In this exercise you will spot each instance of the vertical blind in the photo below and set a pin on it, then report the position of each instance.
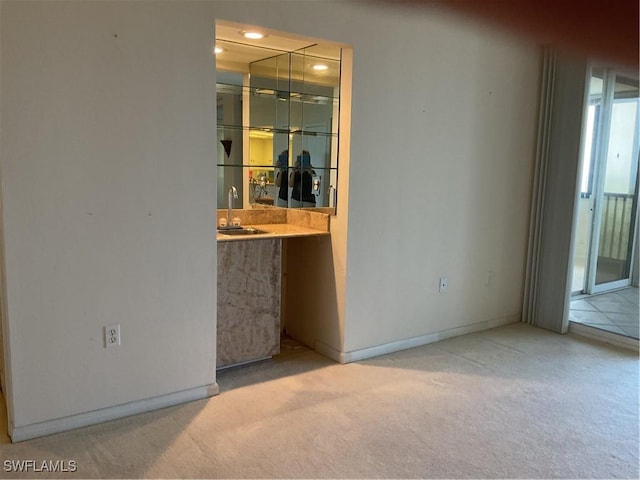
(555, 191)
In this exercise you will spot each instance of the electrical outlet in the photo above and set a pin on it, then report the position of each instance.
(112, 335)
(444, 284)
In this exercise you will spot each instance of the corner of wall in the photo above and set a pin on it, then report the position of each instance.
(5, 360)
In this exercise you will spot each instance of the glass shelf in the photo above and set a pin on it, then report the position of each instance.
(268, 130)
(268, 166)
(277, 94)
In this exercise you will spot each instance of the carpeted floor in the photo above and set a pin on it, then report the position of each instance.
(515, 401)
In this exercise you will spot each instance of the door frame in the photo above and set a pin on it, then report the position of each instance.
(599, 165)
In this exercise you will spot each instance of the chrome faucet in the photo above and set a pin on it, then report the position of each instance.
(233, 193)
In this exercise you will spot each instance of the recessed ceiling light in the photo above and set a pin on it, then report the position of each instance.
(218, 50)
(253, 35)
(319, 67)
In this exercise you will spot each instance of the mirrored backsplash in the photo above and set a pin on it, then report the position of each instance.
(278, 131)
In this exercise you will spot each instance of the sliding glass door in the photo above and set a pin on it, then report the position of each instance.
(607, 209)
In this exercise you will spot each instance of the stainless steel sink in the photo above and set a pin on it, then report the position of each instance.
(241, 231)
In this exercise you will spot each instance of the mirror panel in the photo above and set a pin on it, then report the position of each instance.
(261, 171)
(269, 93)
(278, 129)
(271, 73)
(229, 135)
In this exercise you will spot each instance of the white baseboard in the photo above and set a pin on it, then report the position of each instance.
(391, 347)
(604, 336)
(26, 432)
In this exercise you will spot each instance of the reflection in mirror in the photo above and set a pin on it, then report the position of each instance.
(278, 127)
(230, 145)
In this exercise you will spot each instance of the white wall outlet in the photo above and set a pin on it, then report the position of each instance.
(444, 284)
(112, 336)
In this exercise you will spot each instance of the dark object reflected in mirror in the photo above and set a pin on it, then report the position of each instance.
(301, 179)
(227, 146)
(282, 179)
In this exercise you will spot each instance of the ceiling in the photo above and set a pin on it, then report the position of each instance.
(239, 52)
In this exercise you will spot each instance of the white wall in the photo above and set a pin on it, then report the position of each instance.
(108, 182)
(443, 127)
(98, 132)
(440, 182)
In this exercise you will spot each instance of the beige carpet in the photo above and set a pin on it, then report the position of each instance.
(512, 402)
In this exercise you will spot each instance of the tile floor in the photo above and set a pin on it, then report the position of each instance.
(615, 312)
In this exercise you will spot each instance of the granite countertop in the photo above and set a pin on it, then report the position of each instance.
(274, 230)
(278, 223)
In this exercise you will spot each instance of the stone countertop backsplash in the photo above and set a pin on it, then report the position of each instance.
(277, 222)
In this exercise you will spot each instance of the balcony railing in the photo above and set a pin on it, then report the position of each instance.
(618, 214)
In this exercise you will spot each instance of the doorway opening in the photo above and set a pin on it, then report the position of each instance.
(279, 129)
(605, 262)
